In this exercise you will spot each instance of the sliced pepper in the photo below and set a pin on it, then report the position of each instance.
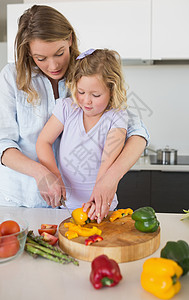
(145, 219)
(71, 234)
(179, 252)
(92, 239)
(160, 277)
(82, 231)
(104, 272)
(120, 213)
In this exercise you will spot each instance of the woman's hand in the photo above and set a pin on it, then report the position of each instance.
(101, 197)
(51, 188)
(106, 186)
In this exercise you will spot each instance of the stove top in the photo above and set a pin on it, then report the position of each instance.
(181, 160)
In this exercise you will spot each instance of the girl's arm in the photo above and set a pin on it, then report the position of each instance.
(48, 135)
(105, 188)
(112, 148)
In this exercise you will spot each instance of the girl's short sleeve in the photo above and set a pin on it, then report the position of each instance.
(120, 119)
(62, 109)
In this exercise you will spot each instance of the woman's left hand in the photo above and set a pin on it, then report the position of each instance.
(102, 196)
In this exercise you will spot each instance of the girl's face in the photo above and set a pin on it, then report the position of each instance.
(92, 95)
(52, 58)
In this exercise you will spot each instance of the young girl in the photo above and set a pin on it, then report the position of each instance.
(93, 126)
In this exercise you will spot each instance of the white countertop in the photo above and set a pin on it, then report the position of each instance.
(26, 278)
(143, 163)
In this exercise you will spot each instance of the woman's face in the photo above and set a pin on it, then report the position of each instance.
(52, 58)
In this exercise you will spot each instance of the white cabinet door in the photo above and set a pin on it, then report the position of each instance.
(170, 29)
(120, 25)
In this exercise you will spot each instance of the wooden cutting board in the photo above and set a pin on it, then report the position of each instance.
(121, 241)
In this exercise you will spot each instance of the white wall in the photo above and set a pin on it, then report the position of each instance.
(162, 93)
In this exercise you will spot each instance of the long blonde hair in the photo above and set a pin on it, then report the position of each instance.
(47, 24)
(107, 64)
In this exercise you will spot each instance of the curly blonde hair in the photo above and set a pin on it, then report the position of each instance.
(47, 24)
(107, 64)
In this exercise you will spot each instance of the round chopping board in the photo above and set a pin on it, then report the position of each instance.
(121, 241)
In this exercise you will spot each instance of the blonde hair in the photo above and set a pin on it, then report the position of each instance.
(47, 24)
(107, 64)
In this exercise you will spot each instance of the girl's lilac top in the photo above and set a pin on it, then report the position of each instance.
(80, 153)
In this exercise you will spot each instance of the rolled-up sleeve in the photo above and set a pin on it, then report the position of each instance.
(136, 127)
(9, 129)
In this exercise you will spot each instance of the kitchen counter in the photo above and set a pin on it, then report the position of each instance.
(26, 278)
(143, 163)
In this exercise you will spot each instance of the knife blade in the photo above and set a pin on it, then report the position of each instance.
(63, 202)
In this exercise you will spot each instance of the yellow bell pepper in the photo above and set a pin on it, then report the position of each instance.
(120, 213)
(160, 277)
(80, 217)
(71, 234)
(82, 231)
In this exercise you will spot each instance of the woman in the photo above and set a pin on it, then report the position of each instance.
(46, 49)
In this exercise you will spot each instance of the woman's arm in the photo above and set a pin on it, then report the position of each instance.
(16, 160)
(113, 146)
(52, 129)
(105, 188)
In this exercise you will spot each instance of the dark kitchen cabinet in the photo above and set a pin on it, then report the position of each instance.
(164, 191)
(169, 191)
(134, 190)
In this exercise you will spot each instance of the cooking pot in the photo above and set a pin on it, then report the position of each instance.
(167, 156)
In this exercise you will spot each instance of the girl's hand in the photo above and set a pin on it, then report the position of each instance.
(51, 189)
(102, 196)
(92, 208)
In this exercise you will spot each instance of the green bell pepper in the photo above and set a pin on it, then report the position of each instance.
(145, 219)
(179, 252)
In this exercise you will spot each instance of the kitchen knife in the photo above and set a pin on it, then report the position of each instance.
(63, 202)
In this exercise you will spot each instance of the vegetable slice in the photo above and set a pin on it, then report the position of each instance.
(49, 238)
(51, 231)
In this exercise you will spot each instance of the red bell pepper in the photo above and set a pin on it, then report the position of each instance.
(92, 239)
(104, 272)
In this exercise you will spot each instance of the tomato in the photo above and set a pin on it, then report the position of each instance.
(9, 246)
(51, 239)
(9, 227)
(51, 231)
(46, 226)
